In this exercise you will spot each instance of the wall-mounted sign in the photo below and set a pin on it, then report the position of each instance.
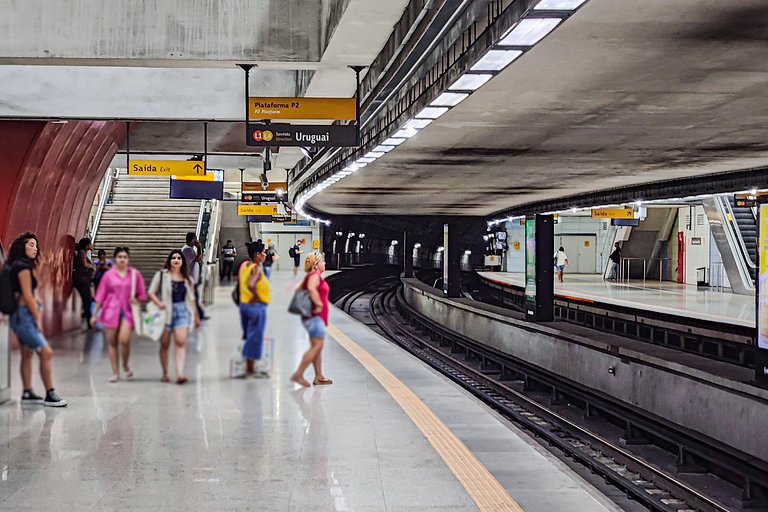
(613, 213)
(257, 209)
(516, 245)
(166, 168)
(492, 260)
(339, 109)
(255, 186)
(337, 135)
(696, 240)
(315, 244)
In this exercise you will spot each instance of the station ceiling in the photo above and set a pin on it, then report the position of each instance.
(623, 93)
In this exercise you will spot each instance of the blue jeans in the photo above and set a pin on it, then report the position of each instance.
(24, 326)
(255, 320)
(268, 271)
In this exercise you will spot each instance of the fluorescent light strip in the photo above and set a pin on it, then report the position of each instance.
(417, 124)
(529, 31)
(431, 112)
(365, 160)
(449, 99)
(374, 154)
(496, 60)
(406, 133)
(383, 149)
(470, 82)
(393, 141)
(558, 5)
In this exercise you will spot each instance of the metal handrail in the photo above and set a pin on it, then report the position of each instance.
(735, 227)
(105, 193)
(624, 275)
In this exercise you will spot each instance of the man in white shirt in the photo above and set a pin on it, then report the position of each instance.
(561, 260)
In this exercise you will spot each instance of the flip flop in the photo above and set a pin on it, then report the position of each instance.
(129, 375)
(165, 379)
(325, 381)
(181, 380)
(114, 379)
(300, 381)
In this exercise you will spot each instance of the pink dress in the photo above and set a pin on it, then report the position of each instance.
(324, 290)
(114, 295)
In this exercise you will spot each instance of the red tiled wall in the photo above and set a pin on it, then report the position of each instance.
(49, 176)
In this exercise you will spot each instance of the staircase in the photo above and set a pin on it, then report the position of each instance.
(745, 220)
(141, 216)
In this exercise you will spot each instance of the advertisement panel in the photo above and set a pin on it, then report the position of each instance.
(762, 286)
(530, 260)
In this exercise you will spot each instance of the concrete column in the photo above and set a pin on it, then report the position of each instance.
(407, 253)
(451, 260)
(539, 268)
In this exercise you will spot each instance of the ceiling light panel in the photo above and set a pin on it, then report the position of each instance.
(417, 124)
(496, 60)
(449, 99)
(393, 141)
(383, 149)
(558, 5)
(529, 31)
(431, 112)
(470, 82)
(406, 133)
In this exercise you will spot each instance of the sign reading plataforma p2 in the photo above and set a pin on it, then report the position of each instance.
(338, 109)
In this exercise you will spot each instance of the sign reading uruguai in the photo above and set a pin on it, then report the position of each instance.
(337, 135)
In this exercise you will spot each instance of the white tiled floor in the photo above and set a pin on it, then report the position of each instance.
(666, 297)
(222, 444)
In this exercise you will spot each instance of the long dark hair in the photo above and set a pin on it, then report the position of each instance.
(184, 269)
(83, 244)
(18, 251)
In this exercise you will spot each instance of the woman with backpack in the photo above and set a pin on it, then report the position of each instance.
(19, 283)
(120, 290)
(318, 290)
(270, 259)
(173, 292)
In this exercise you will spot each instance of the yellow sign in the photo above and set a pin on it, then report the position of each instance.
(257, 209)
(516, 245)
(762, 276)
(315, 244)
(255, 186)
(166, 168)
(613, 213)
(339, 109)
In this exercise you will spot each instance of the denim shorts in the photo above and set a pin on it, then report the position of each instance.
(315, 327)
(179, 316)
(24, 326)
(560, 268)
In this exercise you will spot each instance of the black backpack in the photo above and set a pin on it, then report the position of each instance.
(7, 296)
(292, 252)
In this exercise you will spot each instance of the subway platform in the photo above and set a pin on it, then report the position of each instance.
(389, 435)
(660, 297)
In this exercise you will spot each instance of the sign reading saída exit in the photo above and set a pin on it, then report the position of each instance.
(260, 134)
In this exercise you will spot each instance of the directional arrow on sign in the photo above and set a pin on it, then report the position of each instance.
(197, 167)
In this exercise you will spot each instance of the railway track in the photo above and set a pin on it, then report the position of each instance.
(653, 462)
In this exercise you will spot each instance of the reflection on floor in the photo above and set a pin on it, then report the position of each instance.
(223, 444)
(663, 297)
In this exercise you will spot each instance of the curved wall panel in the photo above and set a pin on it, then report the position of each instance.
(50, 174)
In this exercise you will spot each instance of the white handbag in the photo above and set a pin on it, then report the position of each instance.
(138, 323)
(153, 322)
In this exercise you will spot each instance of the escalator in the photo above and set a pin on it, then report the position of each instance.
(746, 224)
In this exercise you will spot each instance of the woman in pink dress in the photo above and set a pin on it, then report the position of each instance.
(315, 325)
(121, 286)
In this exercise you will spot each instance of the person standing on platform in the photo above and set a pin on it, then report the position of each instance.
(615, 258)
(26, 321)
(254, 297)
(315, 325)
(173, 292)
(269, 260)
(192, 254)
(121, 287)
(101, 268)
(228, 255)
(295, 253)
(82, 276)
(561, 260)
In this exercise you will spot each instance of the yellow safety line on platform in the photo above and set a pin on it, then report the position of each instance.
(482, 487)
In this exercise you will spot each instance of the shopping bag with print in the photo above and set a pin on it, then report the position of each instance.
(266, 363)
(153, 322)
(237, 364)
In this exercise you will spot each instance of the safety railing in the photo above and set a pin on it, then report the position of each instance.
(626, 266)
(716, 277)
(106, 192)
(731, 217)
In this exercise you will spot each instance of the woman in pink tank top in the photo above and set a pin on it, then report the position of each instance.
(318, 290)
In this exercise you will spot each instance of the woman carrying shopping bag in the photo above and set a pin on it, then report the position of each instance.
(254, 297)
(173, 292)
(117, 309)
